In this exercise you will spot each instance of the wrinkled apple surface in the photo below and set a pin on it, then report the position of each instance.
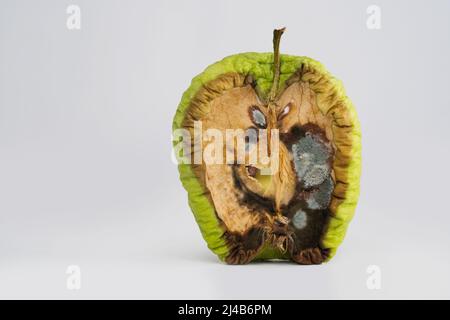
(300, 210)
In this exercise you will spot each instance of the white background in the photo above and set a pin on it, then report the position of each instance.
(85, 171)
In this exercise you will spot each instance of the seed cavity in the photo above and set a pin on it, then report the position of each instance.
(257, 117)
(252, 171)
(284, 112)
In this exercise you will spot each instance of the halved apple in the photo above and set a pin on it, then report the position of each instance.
(301, 210)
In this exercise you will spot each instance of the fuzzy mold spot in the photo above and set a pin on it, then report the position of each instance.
(320, 198)
(300, 219)
(311, 161)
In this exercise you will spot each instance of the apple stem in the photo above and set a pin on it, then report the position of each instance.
(277, 33)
